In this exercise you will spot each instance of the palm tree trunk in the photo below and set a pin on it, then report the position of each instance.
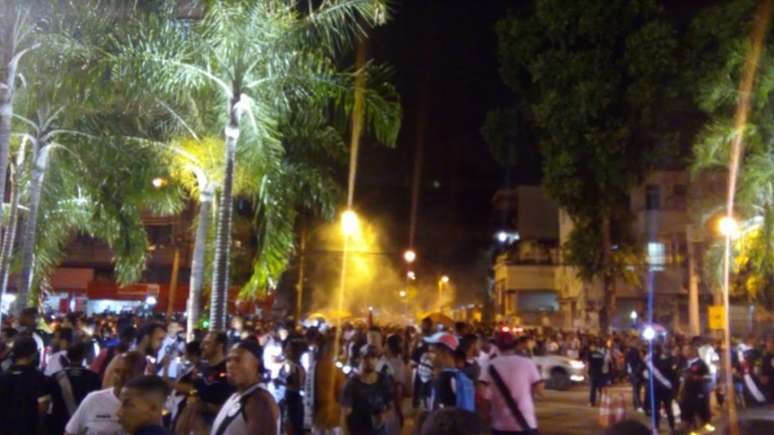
(10, 57)
(30, 230)
(220, 278)
(10, 232)
(197, 262)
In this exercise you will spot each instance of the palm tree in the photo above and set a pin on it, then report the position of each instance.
(15, 33)
(254, 58)
(717, 95)
(101, 178)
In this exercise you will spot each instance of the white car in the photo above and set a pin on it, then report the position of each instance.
(560, 372)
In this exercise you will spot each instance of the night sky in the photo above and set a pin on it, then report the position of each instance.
(444, 56)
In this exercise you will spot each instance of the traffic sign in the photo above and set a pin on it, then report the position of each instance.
(715, 316)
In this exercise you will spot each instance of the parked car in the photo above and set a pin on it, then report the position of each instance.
(560, 372)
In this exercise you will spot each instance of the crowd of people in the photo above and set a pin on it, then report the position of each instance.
(127, 374)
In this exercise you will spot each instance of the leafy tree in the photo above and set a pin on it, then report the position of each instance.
(76, 139)
(592, 75)
(255, 60)
(721, 41)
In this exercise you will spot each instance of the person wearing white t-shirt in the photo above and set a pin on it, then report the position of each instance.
(96, 414)
(521, 379)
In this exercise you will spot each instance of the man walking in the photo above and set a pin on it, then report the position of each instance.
(634, 368)
(69, 387)
(24, 392)
(596, 365)
(507, 386)
(661, 369)
(694, 403)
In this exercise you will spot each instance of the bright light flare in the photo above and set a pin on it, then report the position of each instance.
(150, 300)
(502, 237)
(159, 182)
(349, 223)
(728, 227)
(633, 315)
(410, 256)
(649, 333)
(402, 294)
(411, 275)
(445, 279)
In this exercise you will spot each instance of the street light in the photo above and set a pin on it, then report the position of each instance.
(402, 294)
(159, 182)
(411, 275)
(728, 227)
(648, 333)
(633, 316)
(349, 223)
(410, 256)
(445, 279)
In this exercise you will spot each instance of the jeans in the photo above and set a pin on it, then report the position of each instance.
(665, 399)
(595, 384)
(637, 384)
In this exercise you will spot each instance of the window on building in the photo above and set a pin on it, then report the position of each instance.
(656, 255)
(652, 197)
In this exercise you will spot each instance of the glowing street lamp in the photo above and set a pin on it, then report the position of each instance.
(648, 333)
(402, 294)
(349, 223)
(633, 316)
(411, 275)
(410, 256)
(159, 182)
(445, 279)
(728, 227)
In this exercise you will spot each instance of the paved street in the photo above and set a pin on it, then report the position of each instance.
(568, 412)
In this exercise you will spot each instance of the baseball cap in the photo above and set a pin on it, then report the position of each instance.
(445, 339)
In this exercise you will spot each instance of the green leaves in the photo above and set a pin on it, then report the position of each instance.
(594, 78)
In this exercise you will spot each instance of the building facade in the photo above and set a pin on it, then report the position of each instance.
(533, 285)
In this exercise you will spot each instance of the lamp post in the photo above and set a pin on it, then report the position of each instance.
(442, 283)
(729, 228)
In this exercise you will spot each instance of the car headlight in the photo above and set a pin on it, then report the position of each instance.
(578, 365)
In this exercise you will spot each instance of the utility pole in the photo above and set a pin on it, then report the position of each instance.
(693, 283)
(173, 282)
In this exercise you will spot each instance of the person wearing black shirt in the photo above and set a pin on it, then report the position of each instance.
(695, 390)
(28, 325)
(661, 368)
(211, 388)
(595, 360)
(367, 397)
(25, 393)
(634, 368)
(68, 388)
